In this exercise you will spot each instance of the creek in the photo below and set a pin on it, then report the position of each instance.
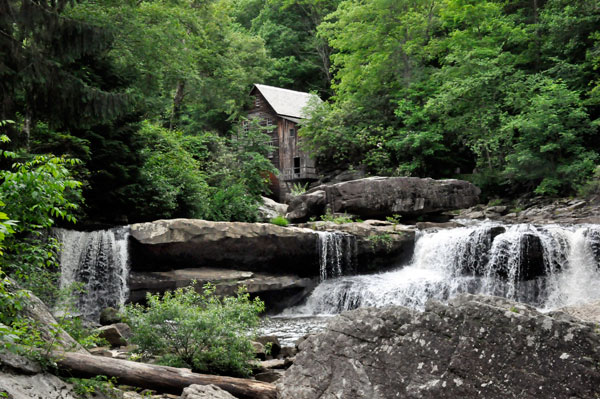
(548, 266)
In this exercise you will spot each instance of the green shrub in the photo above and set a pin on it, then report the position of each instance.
(185, 328)
(381, 241)
(280, 221)
(298, 189)
(330, 217)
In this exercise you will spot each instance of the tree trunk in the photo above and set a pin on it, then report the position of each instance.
(177, 101)
(159, 378)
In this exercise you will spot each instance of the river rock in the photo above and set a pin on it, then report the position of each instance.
(269, 376)
(192, 243)
(474, 347)
(196, 391)
(46, 386)
(378, 197)
(109, 316)
(115, 334)
(270, 209)
(271, 343)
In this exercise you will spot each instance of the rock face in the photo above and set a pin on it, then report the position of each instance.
(385, 196)
(270, 209)
(22, 379)
(475, 347)
(192, 243)
(196, 391)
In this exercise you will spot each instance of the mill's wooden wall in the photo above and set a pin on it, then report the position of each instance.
(286, 146)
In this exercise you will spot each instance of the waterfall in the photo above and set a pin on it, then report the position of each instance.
(548, 267)
(337, 251)
(99, 261)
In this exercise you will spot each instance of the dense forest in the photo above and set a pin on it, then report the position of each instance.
(138, 101)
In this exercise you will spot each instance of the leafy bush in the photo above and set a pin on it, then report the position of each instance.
(36, 192)
(197, 330)
(298, 189)
(342, 219)
(173, 184)
(280, 221)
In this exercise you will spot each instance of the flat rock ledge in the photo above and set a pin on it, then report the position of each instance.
(474, 347)
(165, 245)
(261, 248)
(378, 197)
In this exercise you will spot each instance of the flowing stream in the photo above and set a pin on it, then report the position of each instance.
(99, 261)
(548, 267)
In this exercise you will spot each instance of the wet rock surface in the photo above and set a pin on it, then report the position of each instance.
(474, 347)
(378, 197)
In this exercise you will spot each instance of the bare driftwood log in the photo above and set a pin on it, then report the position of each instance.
(160, 378)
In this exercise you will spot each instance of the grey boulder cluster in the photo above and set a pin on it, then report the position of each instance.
(474, 347)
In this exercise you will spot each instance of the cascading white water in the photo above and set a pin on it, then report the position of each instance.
(549, 267)
(99, 261)
(336, 254)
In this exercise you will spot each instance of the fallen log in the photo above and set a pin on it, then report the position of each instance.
(159, 378)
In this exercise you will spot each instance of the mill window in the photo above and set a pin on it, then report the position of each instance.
(297, 165)
(292, 132)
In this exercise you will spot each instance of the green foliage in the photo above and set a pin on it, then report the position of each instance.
(241, 175)
(172, 183)
(288, 28)
(50, 67)
(197, 330)
(337, 219)
(592, 187)
(98, 385)
(384, 241)
(440, 89)
(298, 189)
(192, 65)
(394, 219)
(280, 221)
(36, 193)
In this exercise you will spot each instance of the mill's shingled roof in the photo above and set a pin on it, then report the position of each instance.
(287, 103)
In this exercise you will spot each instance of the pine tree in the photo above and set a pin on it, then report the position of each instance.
(49, 68)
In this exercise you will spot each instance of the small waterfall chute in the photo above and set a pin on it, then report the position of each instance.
(99, 261)
(337, 253)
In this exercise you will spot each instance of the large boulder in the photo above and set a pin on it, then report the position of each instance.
(21, 378)
(376, 197)
(270, 209)
(193, 243)
(475, 347)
